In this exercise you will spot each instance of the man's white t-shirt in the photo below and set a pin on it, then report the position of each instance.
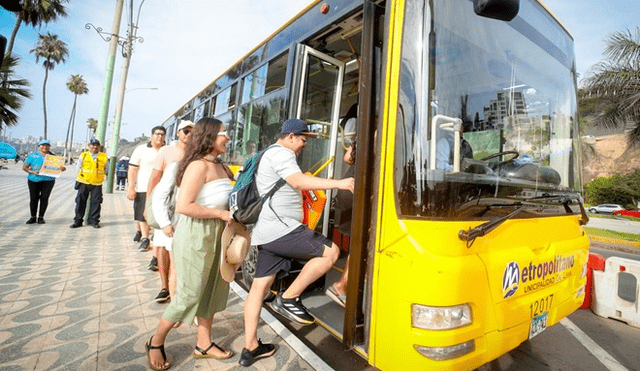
(277, 162)
(143, 156)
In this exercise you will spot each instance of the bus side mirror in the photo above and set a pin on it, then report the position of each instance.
(504, 10)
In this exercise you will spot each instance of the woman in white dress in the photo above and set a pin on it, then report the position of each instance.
(203, 199)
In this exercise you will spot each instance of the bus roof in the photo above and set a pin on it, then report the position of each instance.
(306, 9)
(309, 7)
(556, 18)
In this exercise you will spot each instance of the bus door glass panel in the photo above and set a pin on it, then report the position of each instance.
(320, 91)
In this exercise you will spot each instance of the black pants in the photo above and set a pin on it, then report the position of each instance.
(121, 180)
(39, 192)
(84, 190)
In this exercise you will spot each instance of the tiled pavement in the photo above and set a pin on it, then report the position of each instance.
(82, 299)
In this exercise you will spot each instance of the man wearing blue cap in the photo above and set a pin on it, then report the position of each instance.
(281, 237)
(91, 173)
(40, 186)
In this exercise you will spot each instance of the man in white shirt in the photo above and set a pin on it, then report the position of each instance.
(163, 238)
(140, 169)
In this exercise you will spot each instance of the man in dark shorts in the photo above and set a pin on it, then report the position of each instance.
(281, 237)
(140, 169)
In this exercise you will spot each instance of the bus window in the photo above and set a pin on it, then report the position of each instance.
(226, 100)
(228, 121)
(199, 112)
(265, 79)
(257, 126)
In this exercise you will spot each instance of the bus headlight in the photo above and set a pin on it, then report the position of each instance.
(440, 318)
(444, 353)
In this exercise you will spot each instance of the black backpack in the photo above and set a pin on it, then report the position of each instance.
(245, 203)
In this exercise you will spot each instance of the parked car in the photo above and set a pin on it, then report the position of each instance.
(635, 212)
(605, 208)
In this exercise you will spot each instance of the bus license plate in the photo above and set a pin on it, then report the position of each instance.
(538, 324)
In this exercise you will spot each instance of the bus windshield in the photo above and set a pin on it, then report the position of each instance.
(505, 89)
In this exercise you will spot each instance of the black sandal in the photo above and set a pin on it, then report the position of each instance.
(203, 352)
(149, 348)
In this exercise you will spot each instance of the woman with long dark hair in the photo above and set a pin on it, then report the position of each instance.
(203, 199)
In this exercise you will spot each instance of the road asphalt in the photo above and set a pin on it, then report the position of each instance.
(82, 299)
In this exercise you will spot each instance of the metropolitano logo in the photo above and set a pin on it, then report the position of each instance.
(510, 279)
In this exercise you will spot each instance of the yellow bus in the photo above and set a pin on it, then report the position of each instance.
(466, 236)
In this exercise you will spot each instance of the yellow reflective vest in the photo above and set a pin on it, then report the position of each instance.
(92, 172)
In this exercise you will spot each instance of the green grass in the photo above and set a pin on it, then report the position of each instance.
(612, 234)
(608, 216)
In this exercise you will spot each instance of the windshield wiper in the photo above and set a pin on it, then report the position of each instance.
(564, 200)
(484, 228)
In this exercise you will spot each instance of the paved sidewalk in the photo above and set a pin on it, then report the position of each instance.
(82, 299)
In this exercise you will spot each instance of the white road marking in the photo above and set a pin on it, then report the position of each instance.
(298, 346)
(605, 358)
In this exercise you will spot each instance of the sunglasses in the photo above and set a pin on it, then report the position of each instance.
(186, 131)
(223, 134)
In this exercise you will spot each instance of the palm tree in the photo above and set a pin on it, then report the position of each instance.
(617, 81)
(77, 86)
(92, 124)
(36, 13)
(53, 51)
(12, 92)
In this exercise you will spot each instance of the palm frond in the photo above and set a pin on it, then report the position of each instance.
(633, 136)
(12, 92)
(623, 46)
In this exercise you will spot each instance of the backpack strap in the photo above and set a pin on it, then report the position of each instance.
(273, 190)
(275, 187)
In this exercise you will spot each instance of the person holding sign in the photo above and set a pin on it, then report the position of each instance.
(91, 172)
(40, 185)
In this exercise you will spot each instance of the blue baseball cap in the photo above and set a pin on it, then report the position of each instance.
(44, 142)
(94, 141)
(295, 126)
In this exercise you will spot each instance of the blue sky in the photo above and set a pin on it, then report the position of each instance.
(188, 43)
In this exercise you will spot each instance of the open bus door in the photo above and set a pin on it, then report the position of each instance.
(319, 91)
(319, 84)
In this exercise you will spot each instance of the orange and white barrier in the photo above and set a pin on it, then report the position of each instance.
(595, 263)
(615, 290)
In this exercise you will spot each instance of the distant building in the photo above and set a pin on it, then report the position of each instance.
(509, 104)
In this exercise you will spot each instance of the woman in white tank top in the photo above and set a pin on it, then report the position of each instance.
(203, 201)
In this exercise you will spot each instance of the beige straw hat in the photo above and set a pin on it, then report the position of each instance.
(235, 246)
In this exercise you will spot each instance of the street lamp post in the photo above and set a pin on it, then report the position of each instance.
(115, 138)
(113, 40)
(127, 50)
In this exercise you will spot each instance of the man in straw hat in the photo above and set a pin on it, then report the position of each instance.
(281, 237)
